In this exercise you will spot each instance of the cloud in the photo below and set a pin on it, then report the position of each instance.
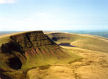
(7, 1)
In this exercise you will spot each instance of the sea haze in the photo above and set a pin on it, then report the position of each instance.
(99, 33)
(7, 32)
(102, 33)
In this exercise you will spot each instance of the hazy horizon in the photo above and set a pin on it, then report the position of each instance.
(103, 33)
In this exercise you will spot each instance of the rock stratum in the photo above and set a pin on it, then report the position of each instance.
(21, 52)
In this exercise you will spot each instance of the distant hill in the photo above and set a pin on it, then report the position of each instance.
(104, 34)
(85, 41)
(98, 33)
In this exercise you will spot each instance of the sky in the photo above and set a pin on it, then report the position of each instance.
(22, 15)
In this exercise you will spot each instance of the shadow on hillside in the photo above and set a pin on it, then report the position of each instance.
(14, 63)
(2, 76)
(10, 47)
(66, 44)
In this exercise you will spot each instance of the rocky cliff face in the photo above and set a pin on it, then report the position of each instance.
(21, 48)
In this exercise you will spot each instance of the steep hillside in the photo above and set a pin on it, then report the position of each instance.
(90, 42)
(21, 52)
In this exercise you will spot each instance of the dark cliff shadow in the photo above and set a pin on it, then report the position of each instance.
(14, 63)
(11, 46)
(2, 76)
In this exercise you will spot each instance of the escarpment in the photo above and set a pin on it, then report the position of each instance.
(28, 49)
(32, 43)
